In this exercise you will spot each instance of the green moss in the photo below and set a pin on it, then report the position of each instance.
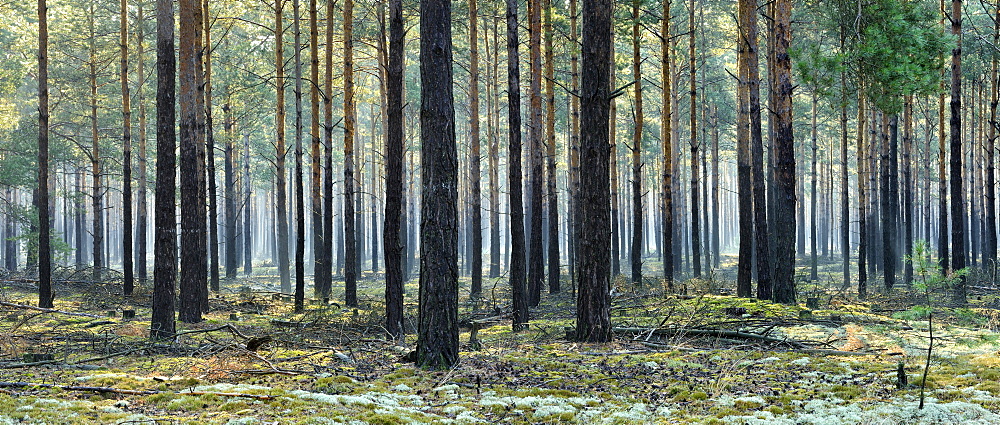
(383, 419)
(846, 392)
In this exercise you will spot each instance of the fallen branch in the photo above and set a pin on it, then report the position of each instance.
(718, 333)
(129, 392)
(48, 310)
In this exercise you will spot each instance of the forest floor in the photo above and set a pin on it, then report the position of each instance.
(695, 356)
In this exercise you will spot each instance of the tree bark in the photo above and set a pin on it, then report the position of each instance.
(437, 340)
(213, 207)
(127, 266)
(784, 158)
(593, 322)
(279, 158)
(517, 266)
(97, 197)
(666, 146)
(45, 294)
(300, 208)
(958, 249)
(552, 199)
(392, 229)
(350, 235)
(907, 189)
(319, 236)
(536, 264)
(162, 324)
(193, 277)
(989, 186)
(636, 256)
(475, 189)
(695, 145)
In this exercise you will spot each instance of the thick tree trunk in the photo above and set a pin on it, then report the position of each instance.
(784, 158)
(193, 278)
(392, 230)
(437, 340)
(989, 186)
(760, 233)
(162, 324)
(593, 322)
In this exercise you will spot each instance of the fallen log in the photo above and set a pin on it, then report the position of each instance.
(129, 392)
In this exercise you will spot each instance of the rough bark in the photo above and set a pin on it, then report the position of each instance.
(666, 146)
(437, 340)
(127, 265)
(593, 322)
(350, 235)
(475, 188)
(44, 250)
(536, 259)
(162, 324)
(552, 199)
(213, 207)
(784, 158)
(193, 269)
(281, 200)
(392, 229)
(695, 144)
(636, 257)
(300, 208)
(316, 189)
(97, 196)
(958, 249)
(517, 266)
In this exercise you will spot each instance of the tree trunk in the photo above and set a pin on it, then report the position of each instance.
(862, 199)
(229, 178)
(475, 196)
(279, 160)
(392, 229)
(536, 264)
(666, 146)
(350, 235)
(552, 198)
(517, 266)
(593, 322)
(494, 147)
(813, 260)
(437, 340)
(955, 128)
(845, 211)
(784, 158)
(907, 189)
(319, 236)
(889, 197)
(97, 197)
(162, 324)
(325, 277)
(247, 234)
(213, 207)
(127, 266)
(989, 186)
(763, 263)
(694, 143)
(45, 295)
(193, 277)
(300, 208)
(636, 149)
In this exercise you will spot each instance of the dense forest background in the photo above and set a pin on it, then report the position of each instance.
(745, 143)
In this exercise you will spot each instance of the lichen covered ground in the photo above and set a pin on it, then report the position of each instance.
(839, 363)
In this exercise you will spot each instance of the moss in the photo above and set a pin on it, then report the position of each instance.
(846, 392)
(383, 419)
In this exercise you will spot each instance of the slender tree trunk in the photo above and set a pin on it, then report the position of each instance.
(666, 146)
(958, 249)
(392, 229)
(517, 266)
(281, 151)
(162, 324)
(845, 211)
(45, 295)
(552, 198)
(127, 266)
(636, 250)
(300, 208)
(213, 200)
(494, 145)
(813, 261)
(907, 190)
(763, 263)
(229, 179)
(437, 340)
(475, 195)
(889, 198)
(97, 197)
(862, 199)
(319, 236)
(247, 233)
(695, 172)
(350, 235)
(536, 264)
(989, 186)
(325, 276)
(943, 245)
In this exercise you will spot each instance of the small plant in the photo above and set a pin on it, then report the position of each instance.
(928, 278)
